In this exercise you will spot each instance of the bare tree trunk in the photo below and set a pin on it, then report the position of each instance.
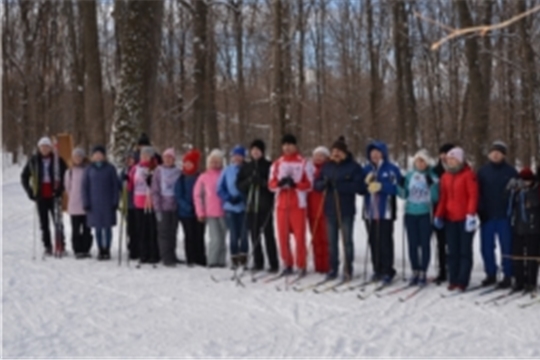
(239, 43)
(278, 83)
(375, 88)
(200, 54)
(212, 129)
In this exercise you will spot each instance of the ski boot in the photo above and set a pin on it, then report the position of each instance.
(415, 279)
(489, 280)
(506, 283)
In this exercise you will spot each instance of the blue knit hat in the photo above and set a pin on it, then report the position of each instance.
(238, 150)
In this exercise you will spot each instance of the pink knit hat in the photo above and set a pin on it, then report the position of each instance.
(169, 152)
(457, 153)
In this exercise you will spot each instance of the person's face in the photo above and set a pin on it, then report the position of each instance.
(45, 150)
(216, 163)
(76, 159)
(97, 157)
(496, 156)
(337, 155)
(237, 159)
(288, 149)
(145, 157)
(452, 162)
(375, 156)
(420, 164)
(130, 161)
(168, 160)
(319, 158)
(255, 153)
(188, 166)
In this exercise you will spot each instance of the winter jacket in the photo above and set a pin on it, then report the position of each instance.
(163, 183)
(227, 189)
(101, 195)
(458, 195)
(73, 183)
(389, 176)
(293, 166)
(261, 169)
(183, 192)
(493, 197)
(347, 179)
(525, 210)
(35, 166)
(140, 180)
(418, 195)
(205, 196)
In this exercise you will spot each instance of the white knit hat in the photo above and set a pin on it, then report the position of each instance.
(322, 150)
(215, 153)
(424, 155)
(45, 141)
(78, 152)
(457, 153)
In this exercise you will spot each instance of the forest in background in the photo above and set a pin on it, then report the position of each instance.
(214, 73)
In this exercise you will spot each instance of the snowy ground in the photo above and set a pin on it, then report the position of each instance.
(68, 308)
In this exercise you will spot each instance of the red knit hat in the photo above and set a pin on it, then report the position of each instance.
(193, 156)
(526, 174)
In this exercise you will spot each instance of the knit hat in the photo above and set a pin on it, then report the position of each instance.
(192, 156)
(169, 152)
(143, 140)
(340, 144)
(424, 155)
(238, 150)
(148, 150)
(456, 153)
(45, 141)
(100, 149)
(322, 150)
(78, 152)
(259, 144)
(526, 174)
(213, 154)
(446, 148)
(499, 146)
(288, 139)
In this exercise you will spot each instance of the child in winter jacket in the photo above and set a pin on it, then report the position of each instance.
(290, 182)
(164, 202)
(420, 190)
(140, 182)
(524, 209)
(456, 213)
(101, 195)
(235, 207)
(194, 246)
(315, 214)
(209, 208)
(81, 237)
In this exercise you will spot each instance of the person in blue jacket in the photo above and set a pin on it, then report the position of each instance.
(234, 205)
(382, 179)
(420, 189)
(341, 179)
(492, 210)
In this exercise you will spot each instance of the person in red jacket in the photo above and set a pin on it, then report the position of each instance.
(456, 212)
(315, 213)
(290, 182)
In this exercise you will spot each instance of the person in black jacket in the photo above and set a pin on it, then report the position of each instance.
(439, 170)
(252, 181)
(43, 183)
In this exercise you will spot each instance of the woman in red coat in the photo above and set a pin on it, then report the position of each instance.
(315, 213)
(456, 212)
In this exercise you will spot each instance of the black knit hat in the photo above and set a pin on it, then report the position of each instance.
(288, 139)
(99, 148)
(340, 144)
(143, 140)
(259, 144)
(446, 148)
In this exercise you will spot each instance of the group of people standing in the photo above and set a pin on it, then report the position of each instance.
(318, 195)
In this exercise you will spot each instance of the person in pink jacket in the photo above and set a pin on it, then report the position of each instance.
(209, 208)
(81, 236)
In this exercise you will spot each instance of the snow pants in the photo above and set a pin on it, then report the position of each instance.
(167, 230)
(262, 223)
(334, 233)
(217, 248)
(147, 237)
(419, 238)
(194, 245)
(503, 230)
(132, 228)
(238, 241)
(319, 235)
(381, 243)
(460, 253)
(526, 271)
(292, 220)
(81, 236)
(45, 208)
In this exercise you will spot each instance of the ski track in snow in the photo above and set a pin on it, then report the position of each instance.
(80, 308)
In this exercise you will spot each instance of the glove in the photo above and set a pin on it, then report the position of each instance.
(159, 216)
(470, 223)
(401, 181)
(286, 182)
(438, 223)
(328, 183)
(429, 180)
(369, 178)
(374, 187)
(233, 200)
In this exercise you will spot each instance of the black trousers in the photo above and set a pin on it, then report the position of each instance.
(81, 236)
(381, 242)
(441, 251)
(132, 229)
(45, 208)
(261, 224)
(147, 236)
(526, 271)
(194, 245)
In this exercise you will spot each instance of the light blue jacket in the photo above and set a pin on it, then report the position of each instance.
(418, 195)
(226, 189)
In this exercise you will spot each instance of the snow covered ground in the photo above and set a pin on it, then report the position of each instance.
(82, 308)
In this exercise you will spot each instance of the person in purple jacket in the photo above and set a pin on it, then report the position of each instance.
(163, 199)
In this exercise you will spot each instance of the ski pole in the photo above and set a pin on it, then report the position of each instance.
(403, 250)
(366, 255)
